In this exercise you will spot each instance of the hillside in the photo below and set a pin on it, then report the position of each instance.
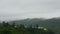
(53, 23)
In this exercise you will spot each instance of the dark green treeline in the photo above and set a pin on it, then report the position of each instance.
(6, 28)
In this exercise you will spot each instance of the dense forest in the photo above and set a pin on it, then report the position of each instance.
(53, 23)
(31, 26)
(6, 28)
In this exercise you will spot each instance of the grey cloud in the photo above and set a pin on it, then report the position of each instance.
(15, 9)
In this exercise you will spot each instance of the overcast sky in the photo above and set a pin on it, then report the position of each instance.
(21, 9)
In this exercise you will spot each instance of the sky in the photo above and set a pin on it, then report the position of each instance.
(21, 9)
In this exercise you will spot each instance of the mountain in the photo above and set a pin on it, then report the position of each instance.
(53, 23)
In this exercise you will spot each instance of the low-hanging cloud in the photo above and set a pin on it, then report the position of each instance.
(17, 9)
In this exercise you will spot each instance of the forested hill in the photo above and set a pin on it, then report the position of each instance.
(53, 23)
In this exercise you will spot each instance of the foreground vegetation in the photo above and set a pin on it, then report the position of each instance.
(6, 28)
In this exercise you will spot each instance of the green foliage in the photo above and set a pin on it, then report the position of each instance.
(6, 28)
(53, 23)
